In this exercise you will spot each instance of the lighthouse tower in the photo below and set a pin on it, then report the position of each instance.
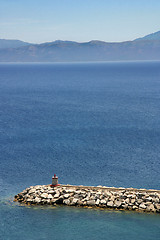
(54, 181)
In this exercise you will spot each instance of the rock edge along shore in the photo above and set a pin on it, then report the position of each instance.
(103, 197)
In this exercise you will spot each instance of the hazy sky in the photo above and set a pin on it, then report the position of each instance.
(78, 20)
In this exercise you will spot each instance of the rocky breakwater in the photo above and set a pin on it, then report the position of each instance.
(103, 197)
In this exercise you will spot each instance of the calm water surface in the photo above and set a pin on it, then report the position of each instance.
(91, 124)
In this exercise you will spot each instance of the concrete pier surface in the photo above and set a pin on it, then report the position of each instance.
(141, 200)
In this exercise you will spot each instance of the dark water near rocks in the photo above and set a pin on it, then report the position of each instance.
(91, 124)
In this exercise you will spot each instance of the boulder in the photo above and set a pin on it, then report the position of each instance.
(110, 204)
(91, 203)
(127, 200)
(76, 196)
(31, 191)
(134, 207)
(140, 195)
(151, 208)
(24, 192)
(124, 206)
(66, 201)
(97, 202)
(133, 200)
(155, 200)
(157, 206)
(139, 201)
(54, 200)
(142, 205)
(69, 190)
(148, 199)
(37, 200)
(50, 196)
(117, 203)
(67, 195)
(103, 202)
(44, 195)
(93, 197)
(29, 200)
(57, 195)
(74, 201)
(51, 192)
(79, 202)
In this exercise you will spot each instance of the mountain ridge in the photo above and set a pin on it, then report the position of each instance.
(152, 36)
(94, 50)
(12, 43)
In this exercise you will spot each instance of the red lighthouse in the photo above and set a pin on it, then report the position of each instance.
(54, 181)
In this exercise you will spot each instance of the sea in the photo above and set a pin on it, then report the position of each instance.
(89, 123)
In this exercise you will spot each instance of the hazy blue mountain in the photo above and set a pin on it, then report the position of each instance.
(69, 51)
(152, 36)
(6, 43)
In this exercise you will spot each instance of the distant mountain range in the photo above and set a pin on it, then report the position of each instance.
(152, 36)
(146, 48)
(5, 43)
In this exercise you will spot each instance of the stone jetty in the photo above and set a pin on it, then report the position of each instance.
(102, 197)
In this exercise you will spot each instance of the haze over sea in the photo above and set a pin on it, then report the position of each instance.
(91, 124)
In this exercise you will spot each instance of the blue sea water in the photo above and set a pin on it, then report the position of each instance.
(91, 124)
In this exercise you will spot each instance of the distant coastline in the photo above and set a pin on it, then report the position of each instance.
(146, 48)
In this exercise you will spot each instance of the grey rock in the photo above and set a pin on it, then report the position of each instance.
(79, 202)
(122, 197)
(140, 195)
(112, 198)
(57, 195)
(91, 203)
(37, 200)
(69, 191)
(117, 203)
(74, 201)
(54, 200)
(50, 196)
(125, 206)
(103, 202)
(110, 204)
(147, 203)
(97, 202)
(139, 201)
(133, 200)
(51, 192)
(66, 195)
(78, 192)
(76, 196)
(44, 195)
(134, 207)
(66, 201)
(142, 205)
(155, 200)
(92, 197)
(29, 200)
(127, 200)
(157, 206)
(151, 208)
(148, 199)
(24, 192)
(31, 191)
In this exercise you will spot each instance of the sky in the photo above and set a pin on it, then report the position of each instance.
(38, 21)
